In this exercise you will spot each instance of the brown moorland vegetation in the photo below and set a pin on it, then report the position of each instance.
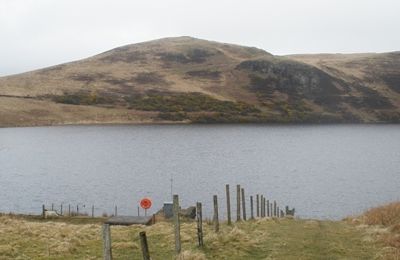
(321, 88)
(24, 237)
(382, 223)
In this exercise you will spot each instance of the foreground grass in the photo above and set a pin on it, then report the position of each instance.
(27, 238)
(382, 224)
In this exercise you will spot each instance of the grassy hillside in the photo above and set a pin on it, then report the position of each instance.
(190, 80)
(28, 238)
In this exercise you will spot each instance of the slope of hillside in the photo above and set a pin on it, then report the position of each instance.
(188, 80)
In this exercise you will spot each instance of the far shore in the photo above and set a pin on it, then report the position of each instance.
(166, 123)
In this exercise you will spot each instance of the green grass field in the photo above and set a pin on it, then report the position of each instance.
(80, 238)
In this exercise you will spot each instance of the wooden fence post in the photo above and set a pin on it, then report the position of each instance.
(251, 208)
(237, 202)
(265, 207)
(144, 245)
(228, 204)
(244, 205)
(107, 242)
(176, 223)
(215, 219)
(268, 212)
(274, 208)
(264, 210)
(277, 211)
(258, 205)
(77, 210)
(262, 206)
(199, 216)
(271, 209)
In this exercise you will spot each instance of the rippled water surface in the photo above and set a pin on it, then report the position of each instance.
(323, 171)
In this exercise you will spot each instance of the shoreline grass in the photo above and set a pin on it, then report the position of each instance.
(29, 237)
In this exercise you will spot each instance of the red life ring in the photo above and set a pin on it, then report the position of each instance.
(145, 203)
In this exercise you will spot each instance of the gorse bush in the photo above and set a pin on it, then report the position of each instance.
(82, 98)
(178, 116)
(386, 215)
(187, 102)
(149, 78)
(195, 55)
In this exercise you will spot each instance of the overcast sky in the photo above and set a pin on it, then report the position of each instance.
(40, 33)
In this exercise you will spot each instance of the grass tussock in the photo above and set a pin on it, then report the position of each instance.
(382, 224)
(191, 255)
(237, 238)
(43, 239)
(387, 215)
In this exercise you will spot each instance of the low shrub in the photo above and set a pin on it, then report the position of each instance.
(83, 98)
(187, 102)
(179, 116)
(386, 215)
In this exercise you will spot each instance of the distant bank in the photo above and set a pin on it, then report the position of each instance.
(189, 80)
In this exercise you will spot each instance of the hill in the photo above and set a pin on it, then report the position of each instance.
(188, 80)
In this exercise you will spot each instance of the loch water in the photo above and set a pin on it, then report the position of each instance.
(324, 171)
